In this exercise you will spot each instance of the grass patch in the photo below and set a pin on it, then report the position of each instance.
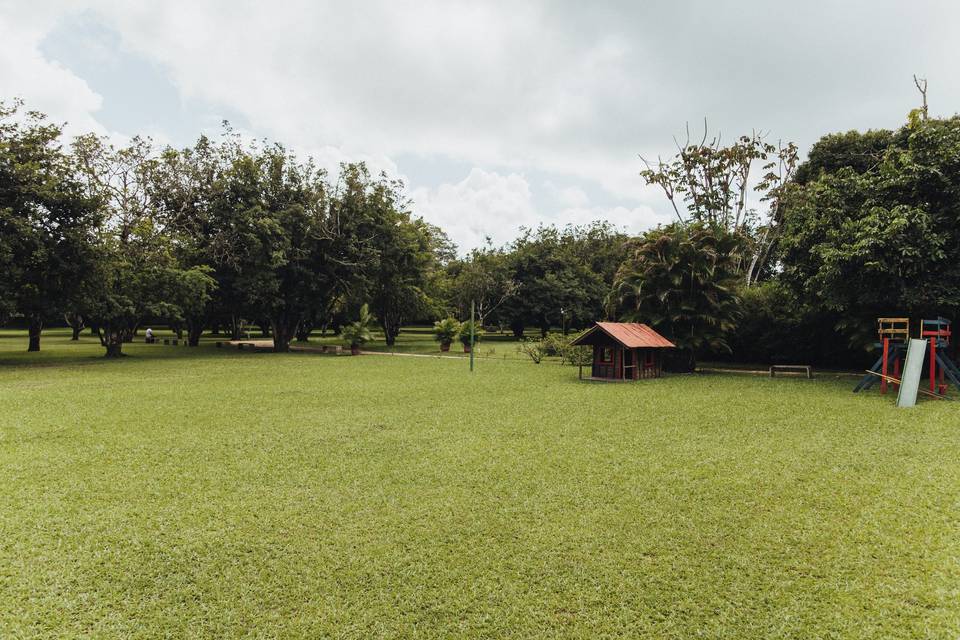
(213, 493)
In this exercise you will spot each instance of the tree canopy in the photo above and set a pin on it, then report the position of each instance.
(872, 225)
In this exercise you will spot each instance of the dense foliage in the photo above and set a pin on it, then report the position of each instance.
(46, 222)
(226, 234)
(680, 280)
(872, 226)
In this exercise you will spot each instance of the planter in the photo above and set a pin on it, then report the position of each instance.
(444, 346)
(354, 350)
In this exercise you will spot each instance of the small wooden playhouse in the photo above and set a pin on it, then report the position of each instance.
(624, 351)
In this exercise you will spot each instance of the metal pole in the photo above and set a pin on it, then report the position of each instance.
(472, 303)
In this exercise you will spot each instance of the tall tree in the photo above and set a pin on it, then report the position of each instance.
(680, 280)
(485, 279)
(188, 189)
(709, 182)
(563, 275)
(871, 226)
(45, 221)
(136, 275)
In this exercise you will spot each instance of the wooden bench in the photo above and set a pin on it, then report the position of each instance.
(799, 368)
(252, 345)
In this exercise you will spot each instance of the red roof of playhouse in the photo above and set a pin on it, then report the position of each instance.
(631, 335)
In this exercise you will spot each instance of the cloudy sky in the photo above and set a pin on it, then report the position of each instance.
(494, 114)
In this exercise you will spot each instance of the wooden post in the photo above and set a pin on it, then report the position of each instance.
(472, 305)
(933, 364)
(886, 357)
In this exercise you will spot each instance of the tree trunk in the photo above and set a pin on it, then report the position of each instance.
(304, 331)
(265, 329)
(236, 328)
(195, 327)
(36, 326)
(193, 335)
(112, 341)
(76, 324)
(391, 330)
(283, 331)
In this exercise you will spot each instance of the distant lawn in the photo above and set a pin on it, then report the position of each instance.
(210, 493)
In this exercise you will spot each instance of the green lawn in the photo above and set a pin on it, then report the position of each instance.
(210, 493)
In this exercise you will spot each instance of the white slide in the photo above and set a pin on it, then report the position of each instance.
(912, 367)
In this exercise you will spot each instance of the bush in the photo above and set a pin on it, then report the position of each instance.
(557, 345)
(465, 333)
(357, 333)
(554, 344)
(776, 329)
(445, 331)
(533, 349)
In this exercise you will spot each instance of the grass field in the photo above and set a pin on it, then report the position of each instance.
(210, 493)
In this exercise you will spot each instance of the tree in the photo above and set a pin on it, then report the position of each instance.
(484, 277)
(136, 274)
(712, 183)
(399, 283)
(680, 280)
(281, 228)
(187, 187)
(45, 221)
(563, 275)
(408, 257)
(871, 226)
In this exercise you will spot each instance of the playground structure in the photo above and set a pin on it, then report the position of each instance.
(937, 333)
(894, 335)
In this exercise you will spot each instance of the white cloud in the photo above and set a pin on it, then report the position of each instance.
(632, 220)
(482, 204)
(567, 92)
(45, 84)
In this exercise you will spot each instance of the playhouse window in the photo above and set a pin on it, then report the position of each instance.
(606, 355)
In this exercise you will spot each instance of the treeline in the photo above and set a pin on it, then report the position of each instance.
(219, 233)
(227, 234)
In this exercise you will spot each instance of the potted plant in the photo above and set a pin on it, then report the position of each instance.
(357, 333)
(465, 335)
(445, 332)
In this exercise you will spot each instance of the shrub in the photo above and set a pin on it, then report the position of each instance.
(445, 331)
(577, 356)
(533, 349)
(558, 345)
(357, 333)
(554, 344)
(465, 333)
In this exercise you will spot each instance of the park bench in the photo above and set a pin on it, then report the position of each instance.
(242, 345)
(798, 368)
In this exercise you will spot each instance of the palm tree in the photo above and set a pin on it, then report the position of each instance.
(359, 332)
(680, 280)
